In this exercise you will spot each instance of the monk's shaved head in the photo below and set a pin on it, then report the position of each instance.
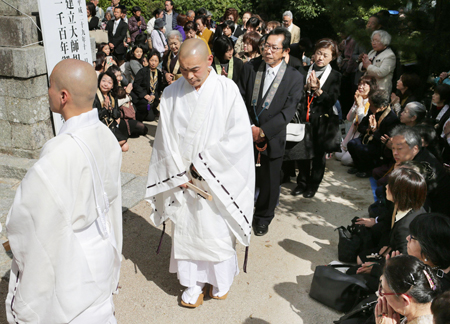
(78, 78)
(194, 47)
(194, 61)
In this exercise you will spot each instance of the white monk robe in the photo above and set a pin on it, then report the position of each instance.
(211, 129)
(66, 257)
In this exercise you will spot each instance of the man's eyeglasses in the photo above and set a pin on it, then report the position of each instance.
(274, 48)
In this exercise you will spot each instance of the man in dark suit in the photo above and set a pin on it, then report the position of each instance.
(270, 118)
(117, 33)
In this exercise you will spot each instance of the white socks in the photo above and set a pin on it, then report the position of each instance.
(190, 295)
(217, 293)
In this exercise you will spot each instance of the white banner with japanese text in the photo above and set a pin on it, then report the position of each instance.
(65, 33)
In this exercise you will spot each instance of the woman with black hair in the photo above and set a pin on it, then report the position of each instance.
(134, 64)
(93, 21)
(251, 25)
(427, 241)
(202, 29)
(440, 307)
(251, 48)
(320, 94)
(147, 88)
(408, 87)
(190, 29)
(407, 190)
(108, 109)
(407, 288)
(439, 112)
(224, 61)
(228, 28)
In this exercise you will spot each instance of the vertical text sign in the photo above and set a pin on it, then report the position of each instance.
(66, 35)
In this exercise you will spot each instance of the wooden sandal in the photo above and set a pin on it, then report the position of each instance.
(215, 297)
(198, 302)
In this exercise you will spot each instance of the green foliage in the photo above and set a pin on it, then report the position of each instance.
(217, 8)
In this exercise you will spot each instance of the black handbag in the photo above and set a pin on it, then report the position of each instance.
(331, 142)
(337, 290)
(352, 240)
(304, 149)
(361, 313)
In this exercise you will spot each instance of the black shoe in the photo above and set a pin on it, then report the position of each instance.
(297, 191)
(260, 229)
(286, 179)
(309, 193)
(352, 170)
(362, 174)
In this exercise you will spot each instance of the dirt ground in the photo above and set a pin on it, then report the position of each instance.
(280, 267)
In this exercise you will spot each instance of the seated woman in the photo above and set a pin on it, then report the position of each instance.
(366, 150)
(427, 232)
(407, 190)
(108, 110)
(100, 63)
(171, 66)
(439, 112)
(413, 114)
(134, 62)
(190, 30)
(147, 89)
(224, 61)
(408, 87)
(407, 287)
(440, 307)
(104, 47)
(251, 49)
(366, 86)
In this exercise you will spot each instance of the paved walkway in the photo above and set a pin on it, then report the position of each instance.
(280, 266)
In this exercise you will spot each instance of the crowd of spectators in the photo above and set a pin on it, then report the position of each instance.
(391, 134)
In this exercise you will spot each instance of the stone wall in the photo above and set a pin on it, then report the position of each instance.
(25, 117)
(25, 123)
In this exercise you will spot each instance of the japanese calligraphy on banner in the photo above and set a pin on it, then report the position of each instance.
(65, 33)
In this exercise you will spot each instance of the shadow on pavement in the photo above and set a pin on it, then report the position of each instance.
(255, 320)
(140, 241)
(3, 293)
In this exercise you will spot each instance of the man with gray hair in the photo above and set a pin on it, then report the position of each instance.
(407, 146)
(293, 29)
(366, 151)
(190, 15)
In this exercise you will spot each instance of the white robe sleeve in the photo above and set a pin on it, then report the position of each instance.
(48, 260)
(166, 171)
(228, 167)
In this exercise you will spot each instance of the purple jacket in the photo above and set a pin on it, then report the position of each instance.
(181, 30)
(134, 28)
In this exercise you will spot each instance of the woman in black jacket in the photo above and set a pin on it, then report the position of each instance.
(147, 88)
(93, 22)
(321, 93)
(108, 109)
(407, 189)
(224, 62)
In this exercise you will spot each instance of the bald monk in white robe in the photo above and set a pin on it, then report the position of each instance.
(203, 132)
(65, 225)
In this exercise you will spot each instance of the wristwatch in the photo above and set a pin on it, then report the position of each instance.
(261, 133)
